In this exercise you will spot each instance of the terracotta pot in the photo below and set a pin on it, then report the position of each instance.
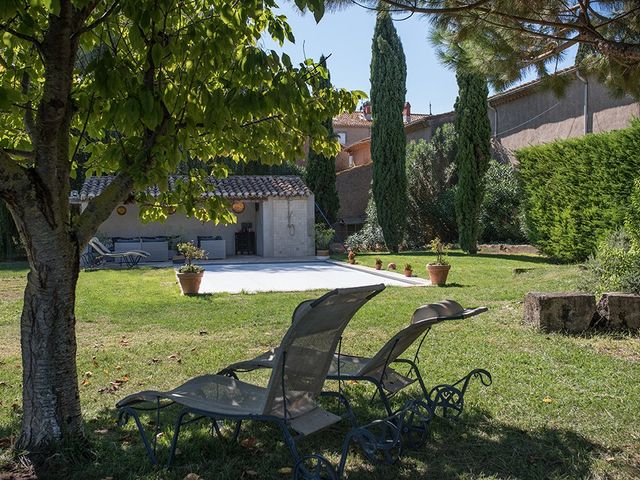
(352, 262)
(408, 273)
(322, 253)
(378, 266)
(438, 274)
(190, 282)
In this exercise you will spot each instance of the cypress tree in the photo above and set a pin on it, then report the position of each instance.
(321, 172)
(473, 154)
(388, 141)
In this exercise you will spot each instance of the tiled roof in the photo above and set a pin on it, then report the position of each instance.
(233, 187)
(356, 119)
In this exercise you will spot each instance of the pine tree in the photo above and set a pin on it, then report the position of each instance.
(473, 154)
(388, 141)
(321, 172)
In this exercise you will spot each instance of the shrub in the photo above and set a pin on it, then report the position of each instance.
(370, 237)
(500, 218)
(632, 222)
(190, 252)
(324, 235)
(615, 267)
(430, 182)
(576, 191)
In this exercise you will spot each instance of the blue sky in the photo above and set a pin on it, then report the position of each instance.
(346, 35)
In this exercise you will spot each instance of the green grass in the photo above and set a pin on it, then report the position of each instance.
(133, 324)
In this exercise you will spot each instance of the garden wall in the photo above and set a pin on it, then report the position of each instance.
(575, 191)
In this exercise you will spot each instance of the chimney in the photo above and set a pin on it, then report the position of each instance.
(406, 113)
(366, 109)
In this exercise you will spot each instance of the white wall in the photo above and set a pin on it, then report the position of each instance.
(284, 227)
(130, 225)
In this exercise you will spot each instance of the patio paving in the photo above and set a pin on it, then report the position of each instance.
(295, 276)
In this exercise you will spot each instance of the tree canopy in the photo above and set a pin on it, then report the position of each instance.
(139, 85)
(509, 38)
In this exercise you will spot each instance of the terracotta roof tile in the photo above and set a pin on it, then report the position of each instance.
(234, 187)
(356, 119)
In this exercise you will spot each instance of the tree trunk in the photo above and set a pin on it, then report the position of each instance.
(50, 394)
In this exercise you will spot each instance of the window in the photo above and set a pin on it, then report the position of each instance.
(342, 137)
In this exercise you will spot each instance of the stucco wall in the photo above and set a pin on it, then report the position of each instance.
(540, 116)
(271, 222)
(354, 134)
(292, 232)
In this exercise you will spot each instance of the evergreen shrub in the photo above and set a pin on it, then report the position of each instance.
(577, 191)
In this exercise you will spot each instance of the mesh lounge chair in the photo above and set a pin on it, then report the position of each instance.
(444, 398)
(290, 398)
(91, 259)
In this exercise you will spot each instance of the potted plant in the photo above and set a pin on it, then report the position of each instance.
(378, 264)
(408, 271)
(391, 266)
(438, 270)
(324, 235)
(190, 275)
(351, 256)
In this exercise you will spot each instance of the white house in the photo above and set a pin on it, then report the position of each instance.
(275, 219)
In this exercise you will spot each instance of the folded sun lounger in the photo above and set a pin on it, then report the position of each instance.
(445, 398)
(290, 398)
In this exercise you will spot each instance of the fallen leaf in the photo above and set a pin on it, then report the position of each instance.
(192, 476)
(547, 400)
(85, 382)
(610, 459)
(203, 332)
(193, 349)
(249, 442)
(3, 384)
(118, 367)
(102, 431)
(285, 471)
(88, 374)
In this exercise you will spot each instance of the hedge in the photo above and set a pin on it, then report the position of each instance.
(576, 191)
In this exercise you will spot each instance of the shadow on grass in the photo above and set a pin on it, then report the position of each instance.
(498, 256)
(473, 446)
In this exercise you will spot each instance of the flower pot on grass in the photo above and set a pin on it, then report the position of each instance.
(351, 257)
(438, 270)
(378, 264)
(408, 271)
(190, 275)
(324, 235)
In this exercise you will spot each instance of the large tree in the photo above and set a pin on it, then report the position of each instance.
(473, 152)
(140, 85)
(388, 141)
(321, 171)
(510, 37)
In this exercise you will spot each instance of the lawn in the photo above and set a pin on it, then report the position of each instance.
(560, 406)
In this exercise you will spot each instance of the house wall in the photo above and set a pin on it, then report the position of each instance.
(130, 225)
(353, 134)
(539, 116)
(292, 233)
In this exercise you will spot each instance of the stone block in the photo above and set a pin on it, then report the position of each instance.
(618, 311)
(559, 312)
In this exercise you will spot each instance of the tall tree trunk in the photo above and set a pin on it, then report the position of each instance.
(50, 394)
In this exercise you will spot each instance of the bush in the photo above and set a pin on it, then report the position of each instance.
(324, 235)
(430, 183)
(500, 218)
(632, 222)
(370, 237)
(615, 267)
(576, 191)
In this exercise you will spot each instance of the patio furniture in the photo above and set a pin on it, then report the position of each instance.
(290, 398)
(447, 398)
(215, 247)
(97, 253)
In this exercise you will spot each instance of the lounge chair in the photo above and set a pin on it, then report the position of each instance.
(290, 398)
(445, 398)
(131, 258)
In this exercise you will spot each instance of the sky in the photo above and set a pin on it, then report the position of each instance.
(346, 36)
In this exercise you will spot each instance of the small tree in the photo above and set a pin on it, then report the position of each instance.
(473, 153)
(388, 141)
(321, 169)
(430, 182)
